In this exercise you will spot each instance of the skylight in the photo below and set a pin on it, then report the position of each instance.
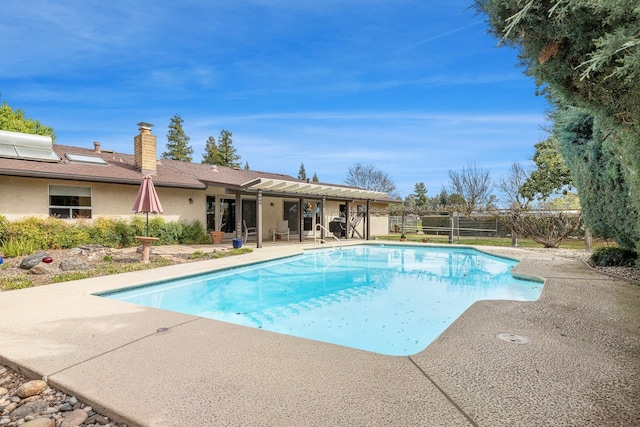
(78, 158)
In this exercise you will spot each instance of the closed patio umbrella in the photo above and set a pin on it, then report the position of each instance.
(147, 199)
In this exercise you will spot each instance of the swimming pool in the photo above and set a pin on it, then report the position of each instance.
(387, 299)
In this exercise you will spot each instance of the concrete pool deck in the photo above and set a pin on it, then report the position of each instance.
(149, 367)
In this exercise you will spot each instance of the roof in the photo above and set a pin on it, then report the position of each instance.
(112, 167)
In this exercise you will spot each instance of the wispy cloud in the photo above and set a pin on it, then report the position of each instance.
(443, 34)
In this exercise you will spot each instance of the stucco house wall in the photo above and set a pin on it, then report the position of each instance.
(26, 197)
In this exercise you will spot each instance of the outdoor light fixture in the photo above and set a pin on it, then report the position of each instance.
(190, 201)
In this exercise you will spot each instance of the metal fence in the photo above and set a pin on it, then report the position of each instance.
(449, 224)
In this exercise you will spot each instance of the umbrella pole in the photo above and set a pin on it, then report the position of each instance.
(147, 224)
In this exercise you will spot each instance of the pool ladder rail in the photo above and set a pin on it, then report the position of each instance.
(320, 240)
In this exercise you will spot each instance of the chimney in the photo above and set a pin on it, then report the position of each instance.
(144, 149)
(96, 147)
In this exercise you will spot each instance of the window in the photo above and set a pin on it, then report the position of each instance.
(69, 202)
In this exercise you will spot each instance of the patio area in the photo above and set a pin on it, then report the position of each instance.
(573, 357)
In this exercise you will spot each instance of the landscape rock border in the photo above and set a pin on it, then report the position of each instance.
(43, 406)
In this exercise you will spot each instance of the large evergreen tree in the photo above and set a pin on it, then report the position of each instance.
(584, 55)
(210, 151)
(420, 195)
(227, 155)
(177, 141)
(599, 175)
(15, 121)
(302, 174)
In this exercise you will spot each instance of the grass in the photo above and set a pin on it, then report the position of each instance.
(491, 241)
(215, 255)
(16, 282)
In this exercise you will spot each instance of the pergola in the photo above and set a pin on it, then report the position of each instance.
(302, 191)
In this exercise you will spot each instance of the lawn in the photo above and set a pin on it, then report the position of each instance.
(493, 241)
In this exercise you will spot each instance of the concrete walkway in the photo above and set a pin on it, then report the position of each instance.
(580, 365)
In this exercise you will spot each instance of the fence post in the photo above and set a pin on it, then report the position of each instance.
(587, 240)
(455, 226)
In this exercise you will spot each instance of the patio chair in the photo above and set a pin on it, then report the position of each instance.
(282, 228)
(249, 231)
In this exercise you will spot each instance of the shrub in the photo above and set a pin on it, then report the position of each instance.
(26, 235)
(193, 234)
(18, 246)
(4, 227)
(613, 256)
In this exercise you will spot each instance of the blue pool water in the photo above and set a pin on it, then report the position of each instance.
(387, 299)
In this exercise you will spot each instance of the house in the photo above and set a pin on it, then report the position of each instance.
(39, 178)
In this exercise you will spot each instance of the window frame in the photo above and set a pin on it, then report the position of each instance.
(73, 210)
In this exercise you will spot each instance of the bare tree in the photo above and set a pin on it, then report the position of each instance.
(511, 186)
(370, 177)
(525, 218)
(473, 184)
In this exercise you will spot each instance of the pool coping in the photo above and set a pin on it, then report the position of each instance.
(149, 367)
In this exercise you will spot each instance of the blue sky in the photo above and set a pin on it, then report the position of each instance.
(416, 88)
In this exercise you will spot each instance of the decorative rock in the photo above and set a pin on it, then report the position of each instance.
(73, 264)
(40, 422)
(31, 261)
(65, 407)
(43, 268)
(30, 388)
(31, 408)
(11, 407)
(31, 399)
(15, 399)
(99, 419)
(75, 418)
(72, 400)
(3, 391)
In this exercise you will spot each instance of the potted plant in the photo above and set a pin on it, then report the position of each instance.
(217, 234)
(403, 237)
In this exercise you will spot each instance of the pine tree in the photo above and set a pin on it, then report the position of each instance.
(420, 195)
(210, 151)
(246, 166)
(302, 174)
(315, 177)
(226, 151)
(177, 141)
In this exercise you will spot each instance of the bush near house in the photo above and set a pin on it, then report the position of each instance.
(29, 234)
